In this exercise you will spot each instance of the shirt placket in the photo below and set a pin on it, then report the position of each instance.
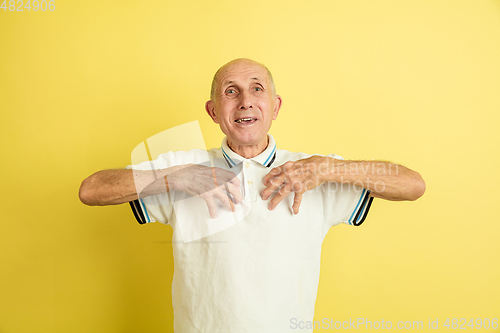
(251, 192)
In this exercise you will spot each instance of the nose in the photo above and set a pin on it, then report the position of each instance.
(245, 101)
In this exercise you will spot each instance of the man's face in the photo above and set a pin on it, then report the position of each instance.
(245, 105)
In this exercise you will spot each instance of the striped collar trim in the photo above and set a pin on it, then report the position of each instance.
(266, 158)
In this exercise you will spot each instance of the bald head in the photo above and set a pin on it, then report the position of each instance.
(216, 83)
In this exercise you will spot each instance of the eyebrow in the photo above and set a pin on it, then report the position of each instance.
(253, 78)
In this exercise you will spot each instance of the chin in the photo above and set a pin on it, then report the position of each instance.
(250, 137)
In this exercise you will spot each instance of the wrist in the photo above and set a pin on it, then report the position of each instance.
(334, 167)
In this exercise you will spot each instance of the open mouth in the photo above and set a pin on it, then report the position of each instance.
(245, 120)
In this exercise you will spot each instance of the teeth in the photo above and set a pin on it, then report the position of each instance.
(243, 119)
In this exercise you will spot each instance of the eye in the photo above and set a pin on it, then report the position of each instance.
(257, 89)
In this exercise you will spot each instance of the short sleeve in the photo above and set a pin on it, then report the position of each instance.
(357, 215)
(344, 203)
(154, 208)
(160, 207)
(140, 212)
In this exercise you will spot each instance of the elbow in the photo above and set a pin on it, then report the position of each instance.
(417, 188)
(86, 194)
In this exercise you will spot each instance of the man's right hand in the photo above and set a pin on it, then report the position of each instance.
(208, 183)
(118, 186)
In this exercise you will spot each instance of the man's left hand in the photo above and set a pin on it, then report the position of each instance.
(297, 177)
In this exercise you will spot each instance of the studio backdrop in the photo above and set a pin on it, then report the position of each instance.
(82, 83)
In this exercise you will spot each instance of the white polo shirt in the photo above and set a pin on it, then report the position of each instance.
(254, 270)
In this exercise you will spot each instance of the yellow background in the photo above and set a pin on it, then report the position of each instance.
(413, 82)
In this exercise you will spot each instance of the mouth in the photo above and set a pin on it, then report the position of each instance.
(247, 120)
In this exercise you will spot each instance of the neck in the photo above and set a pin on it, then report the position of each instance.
(249, 151)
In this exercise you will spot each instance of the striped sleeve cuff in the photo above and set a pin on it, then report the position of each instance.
(358, 216)
(140, 212)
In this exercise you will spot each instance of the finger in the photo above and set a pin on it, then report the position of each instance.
(282, 193)
(220, 195)
(272, 186)
(273, 173)
(296, 202)
(212, 208)
(228, 194)
(229, 197)
(235, 192)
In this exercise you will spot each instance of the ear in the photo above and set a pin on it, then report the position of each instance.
(277, 106)
(210, 108)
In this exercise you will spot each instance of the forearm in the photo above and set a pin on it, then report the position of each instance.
(113, 187)
(385, 180)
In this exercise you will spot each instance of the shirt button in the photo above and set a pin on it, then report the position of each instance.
(249, 182)
(247, 165)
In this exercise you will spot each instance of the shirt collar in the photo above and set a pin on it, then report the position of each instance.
(266, 158)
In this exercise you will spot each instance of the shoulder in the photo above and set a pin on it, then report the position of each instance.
(172, 158)
(286, 155)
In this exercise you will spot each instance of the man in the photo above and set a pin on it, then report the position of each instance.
(259, 274)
